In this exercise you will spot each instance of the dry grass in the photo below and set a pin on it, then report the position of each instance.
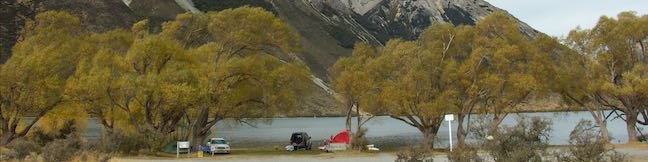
(633, 145)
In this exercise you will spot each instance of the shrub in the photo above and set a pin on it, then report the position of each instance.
(464, 154)
(587, 145)
(413, 155)
(359, 141)
(91, 157)
(6, 154)
(156, 141)
(117, 142)
(33, 157)
(61, 149)
(526, 141)
(24, 147)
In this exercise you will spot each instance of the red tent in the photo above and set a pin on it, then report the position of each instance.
(341, 137)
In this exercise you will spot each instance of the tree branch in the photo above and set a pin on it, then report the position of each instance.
(401, 119)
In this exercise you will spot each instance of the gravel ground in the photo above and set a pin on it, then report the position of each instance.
(635, 154)
(282, 158)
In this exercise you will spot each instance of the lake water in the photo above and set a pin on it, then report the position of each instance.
(383, 131)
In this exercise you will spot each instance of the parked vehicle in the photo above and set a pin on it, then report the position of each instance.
(300, 140)
(218, 145)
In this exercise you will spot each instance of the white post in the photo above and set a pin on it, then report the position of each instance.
(450, 118)
(450, 134)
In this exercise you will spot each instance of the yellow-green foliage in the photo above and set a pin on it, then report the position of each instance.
(201, 66)
(353, 86)
(351, 80)
(237, 63)
(514, 67)
(608, 67)
(449, 69)
(54, 121)
(32, 80)
(97, 75)
(235, 69)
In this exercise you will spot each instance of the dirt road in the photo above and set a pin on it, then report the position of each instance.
(634, 153)
(282, 158)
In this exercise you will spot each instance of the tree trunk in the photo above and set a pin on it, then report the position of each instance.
(198, 139)
(7, 136)
(348, 122)
(9, 129)
(494, 125)
(631, 122)
(429, 134)
(359, 118)
(599, 117)
(604, 132)
(198, 133)
(461, 136)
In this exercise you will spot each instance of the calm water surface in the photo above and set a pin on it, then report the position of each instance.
(382, 131)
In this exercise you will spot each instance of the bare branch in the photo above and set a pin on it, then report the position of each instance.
(401, 119)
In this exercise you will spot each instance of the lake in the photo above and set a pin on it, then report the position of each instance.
(383, 131)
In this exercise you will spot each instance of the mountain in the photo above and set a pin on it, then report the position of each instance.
(328, 28)
(96, 15)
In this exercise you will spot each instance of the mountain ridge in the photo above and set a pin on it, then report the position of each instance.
(345, 22)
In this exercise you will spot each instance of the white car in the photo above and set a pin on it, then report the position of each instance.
(218, 145)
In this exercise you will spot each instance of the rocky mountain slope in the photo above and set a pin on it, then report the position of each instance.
(328, 28)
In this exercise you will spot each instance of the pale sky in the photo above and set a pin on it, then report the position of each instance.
(558, 17)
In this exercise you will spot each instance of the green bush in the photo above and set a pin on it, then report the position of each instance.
(24, 147)
(587, 145)
(156, 141)
(526, 141)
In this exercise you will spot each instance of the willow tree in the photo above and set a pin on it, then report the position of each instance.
(32, 81)
(353, 84)
(464, 67)
(155, 86)
(146, 77)
(408, 88)
(573, 79)
(616, 49)
(514, 69)
(97, 74)
(246, 65)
